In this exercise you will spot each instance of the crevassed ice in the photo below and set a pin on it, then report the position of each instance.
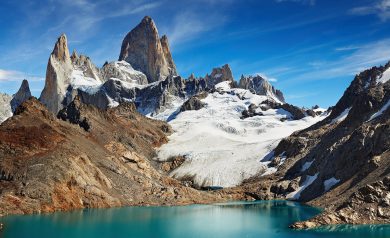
(220, 148)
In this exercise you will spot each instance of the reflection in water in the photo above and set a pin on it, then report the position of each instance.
(238, 219)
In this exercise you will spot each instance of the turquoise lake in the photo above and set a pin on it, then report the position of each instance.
(239, 219)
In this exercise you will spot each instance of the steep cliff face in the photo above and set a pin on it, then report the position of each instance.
(59, 69)
(146, 52)
(65, 74)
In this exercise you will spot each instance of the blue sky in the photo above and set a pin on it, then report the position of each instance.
(310, 49)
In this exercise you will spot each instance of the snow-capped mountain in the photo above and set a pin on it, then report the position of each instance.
(227, 141)
(8, 104)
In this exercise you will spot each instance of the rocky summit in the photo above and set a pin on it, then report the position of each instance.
(8, 104)
(147, 52)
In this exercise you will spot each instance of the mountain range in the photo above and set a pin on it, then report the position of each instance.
(134, 132)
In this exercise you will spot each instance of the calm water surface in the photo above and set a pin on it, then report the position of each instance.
(240, 219)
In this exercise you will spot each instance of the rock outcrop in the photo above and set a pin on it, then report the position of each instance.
(146, 52)
(194, 103)
(22, 95)
(8, 104)
(84, 64)
(219, 75)
(123, 71)
(5, 107)
(260, 86)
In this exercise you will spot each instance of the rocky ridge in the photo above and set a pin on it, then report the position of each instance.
(341, 161)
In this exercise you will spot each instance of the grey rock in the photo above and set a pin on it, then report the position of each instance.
(22, 95)
(146, 52)
(260, 86)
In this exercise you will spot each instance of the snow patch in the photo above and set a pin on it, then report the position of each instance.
(306, 165)
(329, 183)
(297, 193)
(381, 111)
(341, 117)
(384, 77)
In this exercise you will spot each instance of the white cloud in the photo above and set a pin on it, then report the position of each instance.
(269, 79)
(188, 25)
(380, 8)
(12, 75)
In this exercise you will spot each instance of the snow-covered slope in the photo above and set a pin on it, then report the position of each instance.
(220, 148)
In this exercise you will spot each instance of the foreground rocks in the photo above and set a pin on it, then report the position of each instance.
(49, 164)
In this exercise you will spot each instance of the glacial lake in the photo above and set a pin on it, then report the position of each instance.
(238, 219)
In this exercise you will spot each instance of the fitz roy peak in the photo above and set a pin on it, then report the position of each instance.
(146, 52)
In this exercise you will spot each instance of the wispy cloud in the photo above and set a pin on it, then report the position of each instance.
(264, 76)
(307, 2)
(348, 48)
(12, 75)
(189, 25)
(367, 55)
(380, 8)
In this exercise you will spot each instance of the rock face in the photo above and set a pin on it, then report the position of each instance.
(260, 86)
(342, 162)
(65, 74)
(146, 52)
(194, 103)
(123, 71)
(219, 75)
(5, 106)
(22, 95)
(84, 64)
(49, 164)
(59, 69)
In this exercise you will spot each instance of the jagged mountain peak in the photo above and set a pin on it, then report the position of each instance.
(22, 95)
(146, 52)
(61, 51)
(261, 86)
